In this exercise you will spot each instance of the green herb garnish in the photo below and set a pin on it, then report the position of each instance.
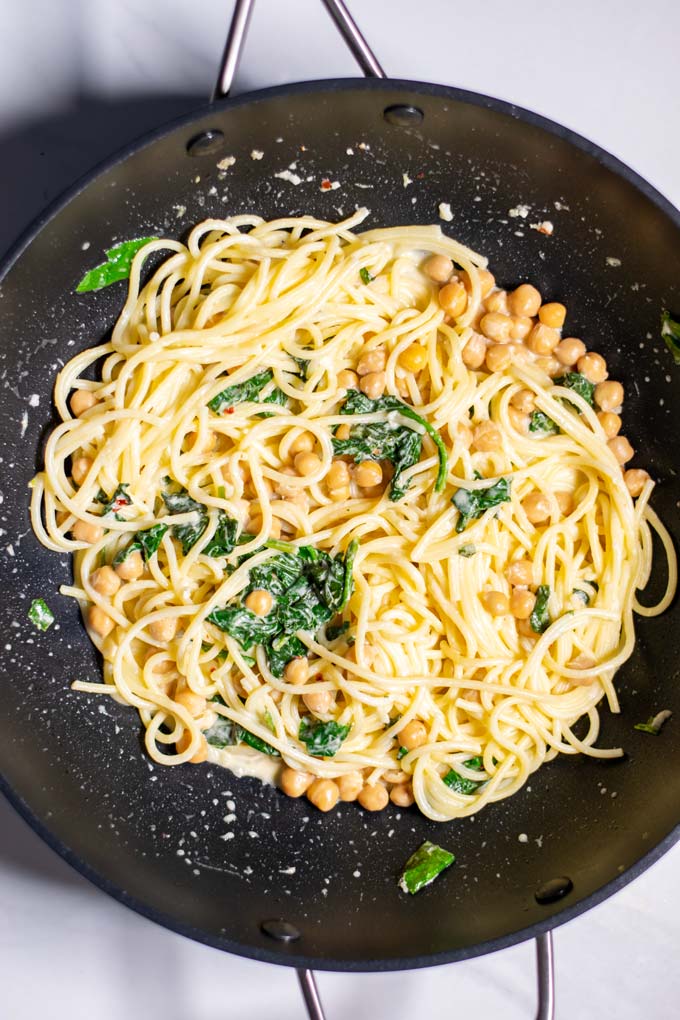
(424, 866)
(654, 723)
(365, 275)
(459, 784)
(579, 384)
(541, 425)
(323, 739)
(117, 265)
(40, 614)
(670, 333)
(540, 617)
(471, 503)
(401, 753)
(388, 440)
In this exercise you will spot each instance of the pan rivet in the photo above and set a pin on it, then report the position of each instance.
(553, 890)
(205, 143)
(403, 116)
(280, 930)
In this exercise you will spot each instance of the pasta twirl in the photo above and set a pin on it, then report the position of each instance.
(346, 515)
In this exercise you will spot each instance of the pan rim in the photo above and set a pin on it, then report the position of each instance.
(279, 954)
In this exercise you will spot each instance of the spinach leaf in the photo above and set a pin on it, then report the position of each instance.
(467, 550)
(244, 736)
(225, 537)
(146, 542)
(654, 723)
(222, 733)
(541, 425)
(117, 265)
(281, 650)
(365, 275)
(247, 391)
(424, 866)
(540, 617)
(388, 440)
(579, 384)
(459, 784)
(119, 499)
(337, 630)
(323, 739)
(182, 503)
(245, 626)
(401, 753)
(40, 614)
(471, 503)
(670, 333)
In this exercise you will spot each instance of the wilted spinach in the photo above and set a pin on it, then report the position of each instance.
(323, 739)
(471, 503)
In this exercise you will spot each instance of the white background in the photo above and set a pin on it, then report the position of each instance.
(78, 78)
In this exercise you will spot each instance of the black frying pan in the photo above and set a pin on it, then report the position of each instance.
(79, 775)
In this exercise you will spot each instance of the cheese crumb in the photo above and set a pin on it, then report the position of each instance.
(256, 154)
(519, 210)
(445, 212)
(612, 261)
(286, 175)
(225, 163)
(407, 180)
(545, 227)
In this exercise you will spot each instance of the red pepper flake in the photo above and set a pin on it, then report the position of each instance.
(228, 410)
(326, 184)
(420, 175)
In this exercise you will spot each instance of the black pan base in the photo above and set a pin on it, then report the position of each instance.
(194, 848)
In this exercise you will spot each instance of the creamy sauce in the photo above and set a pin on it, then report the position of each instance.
(246, 761)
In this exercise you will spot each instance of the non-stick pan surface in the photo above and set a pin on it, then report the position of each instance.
(193, 847)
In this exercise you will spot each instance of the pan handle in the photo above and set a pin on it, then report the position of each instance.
(545, 975)
(238, 30)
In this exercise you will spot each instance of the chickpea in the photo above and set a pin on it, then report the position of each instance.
(131, 568)
(259, 601)
(347, 380)
(413, 358)
(520, 573)
(525, 300)
(294, 782)
(307, 463)
(338, 475)
(635, 480)
(82, 531)
(537, 507)
(161, 666)
(496, 327)
(569, 350)
(524, 400)
(402, 796)
(553, 314)
(99, 621)
(486, 437)
(474, 351)
(608, 395)
(79, 469)
(565, 501)
(350, 785)
(487, 281)
(498, 357)
(164, 629)
(207, 445)
(339, 495)
(285, 490)
(319, 702)
(519, 354)
(526, 630)
(304, 443)
(522, 603)
(550, 366)
(497, 302)
(582, 662)
(519, 421)
(520, 327)
(453, 298)
(343, 431)
(372, 361)
(414, 734)
(183, 743)
(324, 794)
(373, 385)
(374, 797)
(621, 449)
(194, 703)
(105, 580)
(610, 422)
(368, 473)
(496, 603)
(296, 670)
(439, 268)
(593, 367)
(396, 776)
(82, 401)
(542, 340)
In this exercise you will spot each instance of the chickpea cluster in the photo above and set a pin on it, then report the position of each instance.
(518, 327)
